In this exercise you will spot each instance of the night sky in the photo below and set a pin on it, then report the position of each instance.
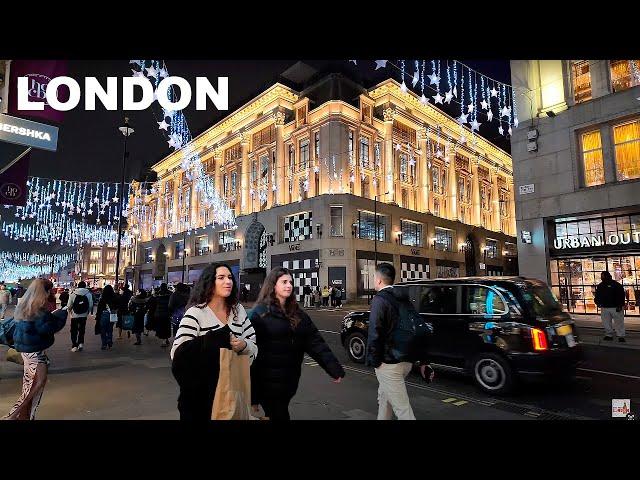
(90, 145)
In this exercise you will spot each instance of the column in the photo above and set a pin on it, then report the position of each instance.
(175, 214)
(476, 219)
(452, 187)
(388, 161)
(280, 157)
(424, 172)
(512, 209)
(495, 200)
(217, 166)
(244, 174)
(160, 225)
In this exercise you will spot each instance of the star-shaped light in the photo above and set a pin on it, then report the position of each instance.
(462, 118)
(416, 77)
(138, 74)
(316, 169)
(381, 64)
(423, 99)
(163, 125)
(489, 115)
(470, 108)
(448, 96)
(434, 79)
(90, 212)
(115, 199)
(500, 130)
(398, 147)
(475, 125)
(515, 122)
(354, 62)
(412, 162)
(163, 73)
(151, 71)
(171, 143)
(510, 131)
(437, 98)
(505, 112)
(484, 104)
(403, 87)
(494, 92)
(352, 179)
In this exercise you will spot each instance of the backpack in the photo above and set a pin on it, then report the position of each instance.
(410, 327)
(7, 328)
(338, 293)
(80, 304)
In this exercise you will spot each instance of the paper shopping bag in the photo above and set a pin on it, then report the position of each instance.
(232, 400)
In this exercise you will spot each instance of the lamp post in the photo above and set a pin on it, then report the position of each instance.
(126, 131)
(375, 220)
(184, 252)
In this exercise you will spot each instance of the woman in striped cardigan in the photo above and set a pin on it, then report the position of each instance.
(214, 319)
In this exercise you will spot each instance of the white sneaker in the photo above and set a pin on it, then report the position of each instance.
(80, 347)
(74, 349)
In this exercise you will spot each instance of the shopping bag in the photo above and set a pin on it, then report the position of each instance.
(14, 356)
(127, 322)
(232, 400)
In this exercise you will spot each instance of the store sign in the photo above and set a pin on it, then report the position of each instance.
(483, 266)
(526, 189)
(294, 247)
(336, 252)
(26, 132)
(415, 251)
(525, 236)
(588, 241)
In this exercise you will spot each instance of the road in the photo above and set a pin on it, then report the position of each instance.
(135, 382)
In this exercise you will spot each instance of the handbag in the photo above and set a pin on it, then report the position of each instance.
(232, 400)
(113, 317)
(14, 356)
(128, 322)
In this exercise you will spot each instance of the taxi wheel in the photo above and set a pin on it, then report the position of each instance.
(356, 347)
(492, 373)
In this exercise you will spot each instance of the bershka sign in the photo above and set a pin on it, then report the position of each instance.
(26, 132)
(93, 90)
(588, 241)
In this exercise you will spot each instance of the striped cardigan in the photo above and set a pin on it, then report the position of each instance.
(198, 321)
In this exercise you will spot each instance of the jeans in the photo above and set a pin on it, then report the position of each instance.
(77, 330)
(3, 308)
(106, 332)
(392, 392)
(608, 314)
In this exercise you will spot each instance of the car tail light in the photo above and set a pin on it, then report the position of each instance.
(539, 339)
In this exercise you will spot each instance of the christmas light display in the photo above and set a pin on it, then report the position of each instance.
(21, 266)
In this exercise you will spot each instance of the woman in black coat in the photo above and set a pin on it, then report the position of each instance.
(177, 305)
(138, 307)
(108, 304)
(284, 333)
(159, 312)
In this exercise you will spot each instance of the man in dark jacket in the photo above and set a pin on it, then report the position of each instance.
(390, 360)
(159, 312)
(610, 298)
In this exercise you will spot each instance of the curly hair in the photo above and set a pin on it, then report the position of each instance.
(203, 291)
(267, 297)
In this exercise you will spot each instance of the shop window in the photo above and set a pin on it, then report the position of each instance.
(148, 255)
(581, 81)
(367, 226)
(364, 152)
(178, 249)
(626, 138)
(202, 244)
(336, 222)
(624, 74)
(411, 233)
(491, 248)
(444, 239)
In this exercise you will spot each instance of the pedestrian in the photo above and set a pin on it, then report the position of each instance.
(317, 297)
(325, 296)
(64, 298)
(159, 313)
(80, 303)
(332, 294)
(108, 305)
(284, 333)
(5, 299)
(387, 352)
(123, 307)
(138, 308)
(338, 295)
(34, 333)
(177, 305)
(214, 319)
(611, 299)
(306, 291)
(52, 303)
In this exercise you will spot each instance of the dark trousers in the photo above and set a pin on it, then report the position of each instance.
(106, 332)
(77, 330)
(276, 409)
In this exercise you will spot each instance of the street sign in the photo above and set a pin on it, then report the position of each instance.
(526, 189)
(25, 132)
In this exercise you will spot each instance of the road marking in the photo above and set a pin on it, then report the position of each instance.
(609, 373)
(449, 400)
(312, 364)
(532, 414)
(329, 331)
(460, 403)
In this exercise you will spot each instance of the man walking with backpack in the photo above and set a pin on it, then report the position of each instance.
(393, 327)
(80, 303)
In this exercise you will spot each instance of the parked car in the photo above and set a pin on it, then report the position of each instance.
(496, 329)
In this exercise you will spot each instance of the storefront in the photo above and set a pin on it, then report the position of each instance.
(582, 248)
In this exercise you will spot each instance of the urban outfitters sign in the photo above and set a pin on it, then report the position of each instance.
(588, 241)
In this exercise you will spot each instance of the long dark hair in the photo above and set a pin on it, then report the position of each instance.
(108, 295)
(203, 291)
(267, 296)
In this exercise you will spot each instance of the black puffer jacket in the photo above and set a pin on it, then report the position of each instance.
(159, 313)
(275, 372)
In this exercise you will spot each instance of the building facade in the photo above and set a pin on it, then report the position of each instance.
(96, 265)
(576, 158)
(322, 179)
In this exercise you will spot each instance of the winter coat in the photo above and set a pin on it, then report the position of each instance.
(177, 300)
(36, 335)
(72, 297)
(159, 315)
(102, 306)
(64, 299)
(125, 297)
(5, 297)
(610, 295)
(275, 372)
(138, 306)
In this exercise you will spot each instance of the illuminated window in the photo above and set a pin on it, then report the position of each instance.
(317, 144)
(492, 248)
(304, 154)
(592, 158)
(364, 151)
(581, 81)
(626, 138)
(444, 239)
(411, 233)
(148, 255)
(624, 74)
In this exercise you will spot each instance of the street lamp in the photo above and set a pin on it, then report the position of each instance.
(126, 131)
(185, 252)
(375, 220)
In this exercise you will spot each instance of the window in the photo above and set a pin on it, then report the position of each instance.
(95, 261)
(438, 299)
(202, 245)
(510, 249)
(626, 138)
(366, 191)
(110, 268)
(265, 136)
(581, 81)
(404, 168)
(367, 226)
(444, 239)
(336, 222)
(436, 207)
(403, 134)
(179, 248)
(111, 255)
(317, 144)
(226, 241)
(233, 153)
(234, 183)
(148, 255)
(492, 248)
(446, 271)
(364, 152)
(304, 154)
(405, 198)
(254, 170)
(264, 168)
(624, 74)
(411, 233)
(592, 158)
(478, 300)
